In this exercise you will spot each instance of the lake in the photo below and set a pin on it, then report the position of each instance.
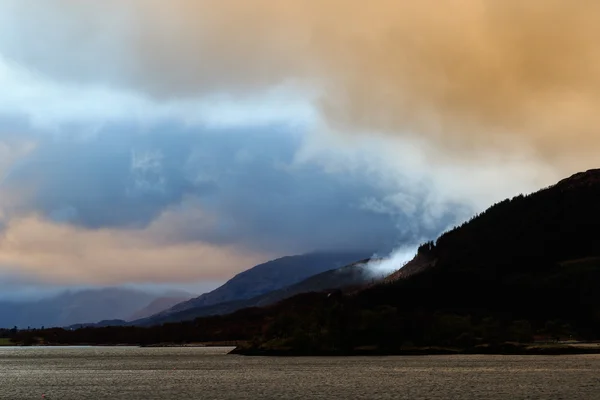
(79, 373)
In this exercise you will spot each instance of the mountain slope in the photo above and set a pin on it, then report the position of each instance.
(156, 306)
(523, 242)
(268, 277)
(528, 265)
(527, 251)
(352, 275)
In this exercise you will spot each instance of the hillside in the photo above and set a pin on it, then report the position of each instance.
(347, 277)
(156, 306)
(526, 266)
(268, 277)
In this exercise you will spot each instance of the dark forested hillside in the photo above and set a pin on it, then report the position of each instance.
(529, 265)
(535, 256)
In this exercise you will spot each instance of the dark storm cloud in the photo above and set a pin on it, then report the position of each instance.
(245, 180)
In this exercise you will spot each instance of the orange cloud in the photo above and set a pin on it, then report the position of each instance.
(58, 253)
(468, 80)
(467, 75)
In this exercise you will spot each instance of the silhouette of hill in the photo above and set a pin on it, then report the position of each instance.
(347, 277)
(265, 278)
(533, 256)
(156, 306)
(526, 266)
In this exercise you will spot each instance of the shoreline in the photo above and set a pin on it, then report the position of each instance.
(243, 348)
(504, 349)
(154, 345)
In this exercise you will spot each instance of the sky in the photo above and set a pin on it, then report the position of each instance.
(179, 142)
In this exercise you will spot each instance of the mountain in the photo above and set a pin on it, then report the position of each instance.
(535, 256)
(421, 262)
(526, 267)
(73, 307)
(347, 277)
(156, 306)
(268, 277)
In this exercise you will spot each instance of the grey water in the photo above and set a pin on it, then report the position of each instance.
(80, 373)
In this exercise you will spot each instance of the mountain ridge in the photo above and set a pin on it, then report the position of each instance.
(349, 276)
(269, 276)
(76, 307)
(526, 266)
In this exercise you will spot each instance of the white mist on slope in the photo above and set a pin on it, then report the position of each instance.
(398, 258)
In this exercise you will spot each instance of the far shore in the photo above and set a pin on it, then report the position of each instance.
(199, 344)
(533, 349)
(246, 349)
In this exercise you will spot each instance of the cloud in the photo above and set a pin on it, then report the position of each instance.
(65, 254)
(12, 149)
(54, 106)
(289, 126)
(249, 180)
(425, 190)
(466, 75)
(175, 204)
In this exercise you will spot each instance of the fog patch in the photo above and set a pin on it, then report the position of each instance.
(381, 267)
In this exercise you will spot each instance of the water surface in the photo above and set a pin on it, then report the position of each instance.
(80, 373)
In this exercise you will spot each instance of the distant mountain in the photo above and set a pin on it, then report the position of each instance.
(73, 307)
(350, 276)
(269, 277)
(156, 306)
(99, 324)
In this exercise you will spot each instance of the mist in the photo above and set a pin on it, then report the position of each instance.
(380, 267)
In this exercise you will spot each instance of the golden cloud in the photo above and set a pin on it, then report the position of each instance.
(468, 75)
(61, 253)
